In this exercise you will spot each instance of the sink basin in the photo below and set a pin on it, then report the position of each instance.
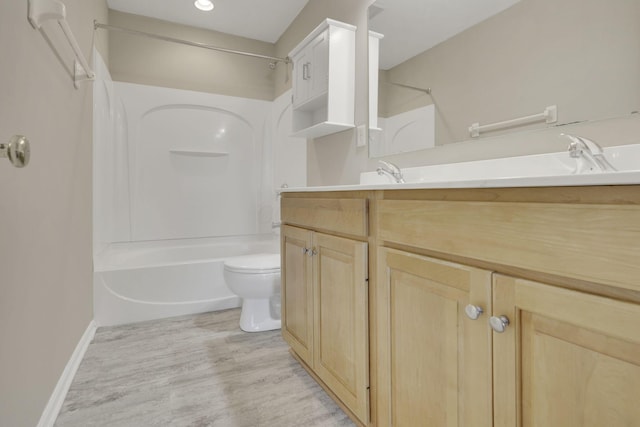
(625, 158)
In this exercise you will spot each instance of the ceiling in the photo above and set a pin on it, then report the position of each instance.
(413, 26)
(409, 26)
(264, 20)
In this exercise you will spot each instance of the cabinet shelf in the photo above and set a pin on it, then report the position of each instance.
(313, 104)
(321, 129)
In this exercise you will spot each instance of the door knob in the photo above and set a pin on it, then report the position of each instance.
(499, 323)
(473, 311)
(17, 150)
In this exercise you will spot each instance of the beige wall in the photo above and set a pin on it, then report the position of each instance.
(148, 61)
(583, 56)
(45, 210)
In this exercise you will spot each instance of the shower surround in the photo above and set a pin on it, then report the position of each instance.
(188, 174)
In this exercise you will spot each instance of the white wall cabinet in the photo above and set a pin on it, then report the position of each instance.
(324, 80)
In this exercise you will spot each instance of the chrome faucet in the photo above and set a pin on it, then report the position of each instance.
(581, 147)
(388, 168)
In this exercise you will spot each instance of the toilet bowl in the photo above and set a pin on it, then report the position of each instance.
(256, 279)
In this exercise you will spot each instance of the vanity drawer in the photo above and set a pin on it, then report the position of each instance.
(340, 215)
(581, 241)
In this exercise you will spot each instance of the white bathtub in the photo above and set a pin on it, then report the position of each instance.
(141, 281)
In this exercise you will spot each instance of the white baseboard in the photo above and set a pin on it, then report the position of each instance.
(56, 400)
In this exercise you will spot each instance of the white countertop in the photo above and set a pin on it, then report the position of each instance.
(615, 178)
(542, 170)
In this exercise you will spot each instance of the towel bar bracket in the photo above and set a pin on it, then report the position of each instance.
(80, 75)
(41, 11)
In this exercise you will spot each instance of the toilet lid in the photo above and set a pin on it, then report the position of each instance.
(257, 263)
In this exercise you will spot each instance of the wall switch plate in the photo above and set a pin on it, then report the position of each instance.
(361, 136)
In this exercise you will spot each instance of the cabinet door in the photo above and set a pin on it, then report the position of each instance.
(341, 356)
(311, 70)
(300, 80)
(434, 362)
(297, 292)
(566, 359)
(318, 72)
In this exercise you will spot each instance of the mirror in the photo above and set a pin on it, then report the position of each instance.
(444, 66)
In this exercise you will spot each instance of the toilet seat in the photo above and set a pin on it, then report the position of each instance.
(254, 264)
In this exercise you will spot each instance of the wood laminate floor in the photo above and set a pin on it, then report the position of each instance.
(199, 370)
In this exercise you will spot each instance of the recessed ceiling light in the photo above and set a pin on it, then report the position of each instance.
(205, 5)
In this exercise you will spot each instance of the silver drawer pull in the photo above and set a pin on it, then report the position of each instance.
(473, 311)
(499, 323)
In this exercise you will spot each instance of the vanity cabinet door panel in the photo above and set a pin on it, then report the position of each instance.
(434, 362)
(297, 292)
(341, 317)
(566, 359)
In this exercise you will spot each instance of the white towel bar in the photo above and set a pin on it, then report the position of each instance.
(45, 10)
(550, 115)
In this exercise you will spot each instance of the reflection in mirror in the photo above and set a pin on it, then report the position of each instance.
(493, 61)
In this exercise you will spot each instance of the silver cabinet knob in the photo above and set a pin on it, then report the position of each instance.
(305, 251)
(17, 150)
(499, 323)
(312, 252)
(473, 311)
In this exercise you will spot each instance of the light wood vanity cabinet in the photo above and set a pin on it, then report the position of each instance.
(432, 359)
(325, 294)
(567, 359)
(297, 292)
(562, 265)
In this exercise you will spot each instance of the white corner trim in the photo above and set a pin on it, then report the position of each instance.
(56, 400)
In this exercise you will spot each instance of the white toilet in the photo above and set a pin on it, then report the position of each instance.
(256, 279)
